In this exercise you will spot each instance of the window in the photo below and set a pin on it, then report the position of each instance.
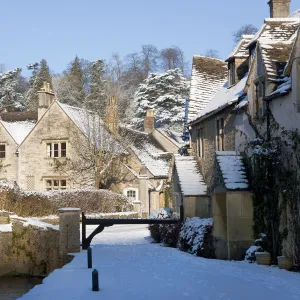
(131, 193)
(231, 74)
(259, 94)
(55, 184)
(2, 151)
(201, 142)
(220, 134)
(56, 149)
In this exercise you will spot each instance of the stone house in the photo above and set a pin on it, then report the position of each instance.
(214, 145)
(34, 151)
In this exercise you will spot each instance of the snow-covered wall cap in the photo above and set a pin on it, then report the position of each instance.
(69, 209)
(208, 77)
(224, 98)
(190, 179)
(232, 169)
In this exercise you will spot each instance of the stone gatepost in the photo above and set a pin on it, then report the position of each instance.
(137, 206)
(69, 232)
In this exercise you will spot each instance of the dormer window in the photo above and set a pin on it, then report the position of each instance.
(231, 73)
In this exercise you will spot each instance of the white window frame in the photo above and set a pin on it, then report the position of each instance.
(50, 150)
(55, 187)
(136, 190)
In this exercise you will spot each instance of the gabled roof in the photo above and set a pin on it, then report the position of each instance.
(18, 130)
(241, 51)
(224, 98)
(190, 179)
(208, 76)
(149, 152)
(232, 169)
(275, 57)
(173, 136)
(277, 30)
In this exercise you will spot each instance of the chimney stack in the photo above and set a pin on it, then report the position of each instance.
(46, 97)
(279, 8)
(149, 121)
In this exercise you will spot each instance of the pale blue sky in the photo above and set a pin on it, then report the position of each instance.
(57, 30)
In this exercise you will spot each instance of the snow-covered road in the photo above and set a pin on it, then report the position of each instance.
(132, 268)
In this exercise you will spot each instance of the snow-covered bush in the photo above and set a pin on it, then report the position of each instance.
(166, 233)
(258, 246)
(196, 237)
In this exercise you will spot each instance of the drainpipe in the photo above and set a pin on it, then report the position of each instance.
(268, 122)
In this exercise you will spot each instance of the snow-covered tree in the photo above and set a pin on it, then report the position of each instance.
(97, 98)
(40, 74)
(166, 94)
(10, 98)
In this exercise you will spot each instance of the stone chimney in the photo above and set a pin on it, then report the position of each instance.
(279, 8)
(149, 121)
(46, 97)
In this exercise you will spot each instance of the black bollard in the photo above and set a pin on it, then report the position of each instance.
(95, 281)
(89, 257)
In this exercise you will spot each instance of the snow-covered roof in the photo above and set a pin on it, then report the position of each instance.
(233, 170)
(295, 14)
(208, 76)
(18, 129)
(173, 136)
(190, 179)
(241, 51)
(225, 97)
(149, 153)
(276, 30)
(275, 57)
(282, 89)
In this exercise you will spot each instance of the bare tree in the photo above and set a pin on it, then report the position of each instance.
(172, 58)
(149, 59)
(247, 29)
(96, 152)
(2, 68)
(213, 53)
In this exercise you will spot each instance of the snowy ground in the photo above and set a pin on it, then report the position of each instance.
(132, 268)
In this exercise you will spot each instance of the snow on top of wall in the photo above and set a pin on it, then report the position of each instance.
(208, 76)
(34, 222)
(241, 49)
(18, 129)
(6, 227)
(233, 170)
(190, 179)
(283, 88)
(225, 97)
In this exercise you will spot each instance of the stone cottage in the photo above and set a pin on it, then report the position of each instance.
(48, 151)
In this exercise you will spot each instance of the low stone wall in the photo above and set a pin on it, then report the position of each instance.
(34, 248)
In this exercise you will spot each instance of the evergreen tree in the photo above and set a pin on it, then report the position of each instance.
(164, 93)
(97, 99)
(10, 98)
(40, 74)
(76, 80)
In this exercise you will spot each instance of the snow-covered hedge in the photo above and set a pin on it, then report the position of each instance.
(196, 237)
(37, 204)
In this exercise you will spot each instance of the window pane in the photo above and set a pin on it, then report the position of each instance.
(2, 151)
(55, 146)
(49, 148)
(48, 183)
(63, 147)
(63, 183)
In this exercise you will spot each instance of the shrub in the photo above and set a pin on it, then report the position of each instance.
(155, 232)
(170, 234)
(259, 246)
(196, 237)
